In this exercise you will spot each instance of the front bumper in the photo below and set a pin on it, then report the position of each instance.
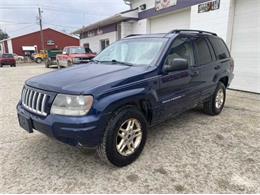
(85, 131)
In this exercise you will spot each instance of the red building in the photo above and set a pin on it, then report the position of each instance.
(30, 43)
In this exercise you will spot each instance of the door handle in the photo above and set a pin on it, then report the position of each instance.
(195, 73)
(217, 67)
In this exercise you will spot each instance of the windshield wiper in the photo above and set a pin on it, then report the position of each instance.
(119, 62)
(113, 61)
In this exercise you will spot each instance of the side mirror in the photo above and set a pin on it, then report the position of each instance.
(176, 64)
(64, 53)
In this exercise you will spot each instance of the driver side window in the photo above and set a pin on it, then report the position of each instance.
(181, 48)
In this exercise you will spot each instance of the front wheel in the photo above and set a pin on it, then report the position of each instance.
(38, 60)
(124, 137)
(216, 103)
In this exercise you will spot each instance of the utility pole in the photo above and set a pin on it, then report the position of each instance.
(40, 22)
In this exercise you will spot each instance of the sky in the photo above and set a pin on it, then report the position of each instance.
(19, 17)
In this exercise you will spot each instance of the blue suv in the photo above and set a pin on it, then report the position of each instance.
(137, 82)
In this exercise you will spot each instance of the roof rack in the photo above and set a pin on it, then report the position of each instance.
(190, 30)
(132, 35)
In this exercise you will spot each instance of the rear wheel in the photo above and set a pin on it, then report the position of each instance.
(69, 64)
(47, 63)
(124, 137)
(215, 104)
(58, 64)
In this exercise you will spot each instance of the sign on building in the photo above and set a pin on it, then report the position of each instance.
(209, 6)
(50, 42)
(162, 4)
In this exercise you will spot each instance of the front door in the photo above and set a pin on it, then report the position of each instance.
(176, 92)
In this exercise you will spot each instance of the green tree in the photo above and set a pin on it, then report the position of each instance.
(3, 35)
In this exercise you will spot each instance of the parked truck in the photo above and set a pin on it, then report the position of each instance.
(73, 55)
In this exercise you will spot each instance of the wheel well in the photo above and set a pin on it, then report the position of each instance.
(224, 80)
(143, 105)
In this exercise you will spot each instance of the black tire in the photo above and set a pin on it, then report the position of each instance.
(210, 107)
(58, 64)
(69, 64)
(107, 150)
(38, 60)
(47, 64)
(1, 65)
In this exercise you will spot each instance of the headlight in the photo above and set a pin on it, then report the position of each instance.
(75, 60)
(71, 105)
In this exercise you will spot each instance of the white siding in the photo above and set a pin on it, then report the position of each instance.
(246, 45)
(10, 46)
(216, 21)
(126, 29)
(141, 27)
(1, 47)
(94, 42)
(166, 23)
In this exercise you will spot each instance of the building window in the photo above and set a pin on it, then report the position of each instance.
(104, 43)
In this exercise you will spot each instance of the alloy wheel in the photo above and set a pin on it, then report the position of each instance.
(219, 99)
(129, 137)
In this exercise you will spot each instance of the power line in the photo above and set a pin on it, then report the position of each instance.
(13, 22)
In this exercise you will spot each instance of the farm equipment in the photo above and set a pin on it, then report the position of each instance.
(51, 57)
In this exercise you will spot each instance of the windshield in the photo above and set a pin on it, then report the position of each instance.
(77, 50)
(140, 51)
(7, 56)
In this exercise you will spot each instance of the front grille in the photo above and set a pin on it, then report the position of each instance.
(34, 101)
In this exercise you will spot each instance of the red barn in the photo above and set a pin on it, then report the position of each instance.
(30, 43)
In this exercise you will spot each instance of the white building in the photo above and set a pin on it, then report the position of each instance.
(236, 21)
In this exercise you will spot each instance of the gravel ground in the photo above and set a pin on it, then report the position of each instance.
(193, 153)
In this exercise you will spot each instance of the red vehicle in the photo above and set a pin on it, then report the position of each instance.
(7, 59)
(74, 55)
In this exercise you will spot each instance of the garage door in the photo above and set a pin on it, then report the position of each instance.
(166, 23)
(246, 45)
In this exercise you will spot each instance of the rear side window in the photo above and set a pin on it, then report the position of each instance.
(7, 56)
(203, 52)
(220, 48)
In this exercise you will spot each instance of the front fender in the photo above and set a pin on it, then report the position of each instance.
(111, 102)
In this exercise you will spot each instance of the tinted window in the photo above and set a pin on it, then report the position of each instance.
(220, 48)
(7, 56)
(203, 52)
(181, 48)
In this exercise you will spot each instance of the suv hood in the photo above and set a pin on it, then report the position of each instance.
(81, 79)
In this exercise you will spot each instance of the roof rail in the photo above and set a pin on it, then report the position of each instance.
(132, 35)
(190, 30)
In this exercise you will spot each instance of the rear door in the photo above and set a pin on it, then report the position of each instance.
(204, 68)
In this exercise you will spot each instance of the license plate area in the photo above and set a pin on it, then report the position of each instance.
(25, 123)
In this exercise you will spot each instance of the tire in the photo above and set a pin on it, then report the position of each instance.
(108, 150)
(47, 64)
(38, 60)
(58, 64)
(214, 105)
(1, 65)
(69, 64)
